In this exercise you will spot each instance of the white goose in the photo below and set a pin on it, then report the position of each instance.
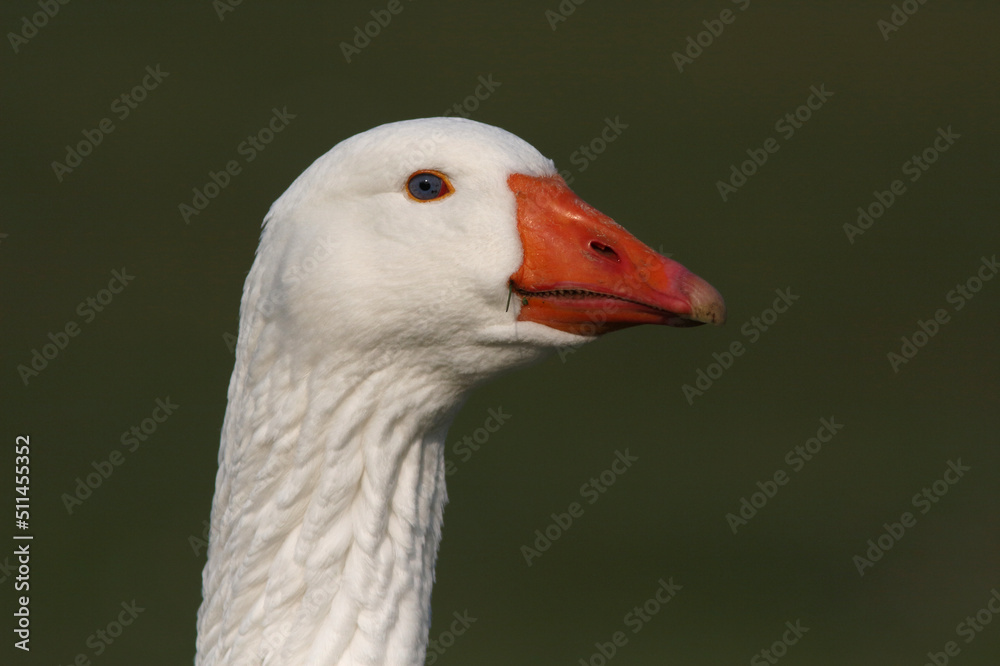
(380, 295)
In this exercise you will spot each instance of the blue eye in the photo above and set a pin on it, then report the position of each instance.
(428, 185)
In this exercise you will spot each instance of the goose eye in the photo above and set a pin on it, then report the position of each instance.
(428, 186)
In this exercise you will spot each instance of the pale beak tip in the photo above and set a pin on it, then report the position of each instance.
(707, 304)
(711, 313)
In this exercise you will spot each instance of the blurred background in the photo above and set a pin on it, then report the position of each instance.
(212, 75)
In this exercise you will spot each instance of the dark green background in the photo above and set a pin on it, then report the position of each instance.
(163, 336)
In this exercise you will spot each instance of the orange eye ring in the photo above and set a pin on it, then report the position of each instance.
(428, 185)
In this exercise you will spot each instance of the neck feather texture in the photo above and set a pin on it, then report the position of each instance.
(327, 514)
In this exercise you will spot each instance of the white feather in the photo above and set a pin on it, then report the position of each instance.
(366, 319)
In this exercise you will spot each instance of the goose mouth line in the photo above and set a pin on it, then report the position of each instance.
(584, 294)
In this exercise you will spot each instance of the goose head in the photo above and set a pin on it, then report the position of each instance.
(405, 266)
(459, 242)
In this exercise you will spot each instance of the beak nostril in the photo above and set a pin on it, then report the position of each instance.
(603, 249)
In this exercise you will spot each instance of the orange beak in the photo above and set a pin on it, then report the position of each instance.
(583, 273)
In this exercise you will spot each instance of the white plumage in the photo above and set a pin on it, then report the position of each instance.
(366, 319)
